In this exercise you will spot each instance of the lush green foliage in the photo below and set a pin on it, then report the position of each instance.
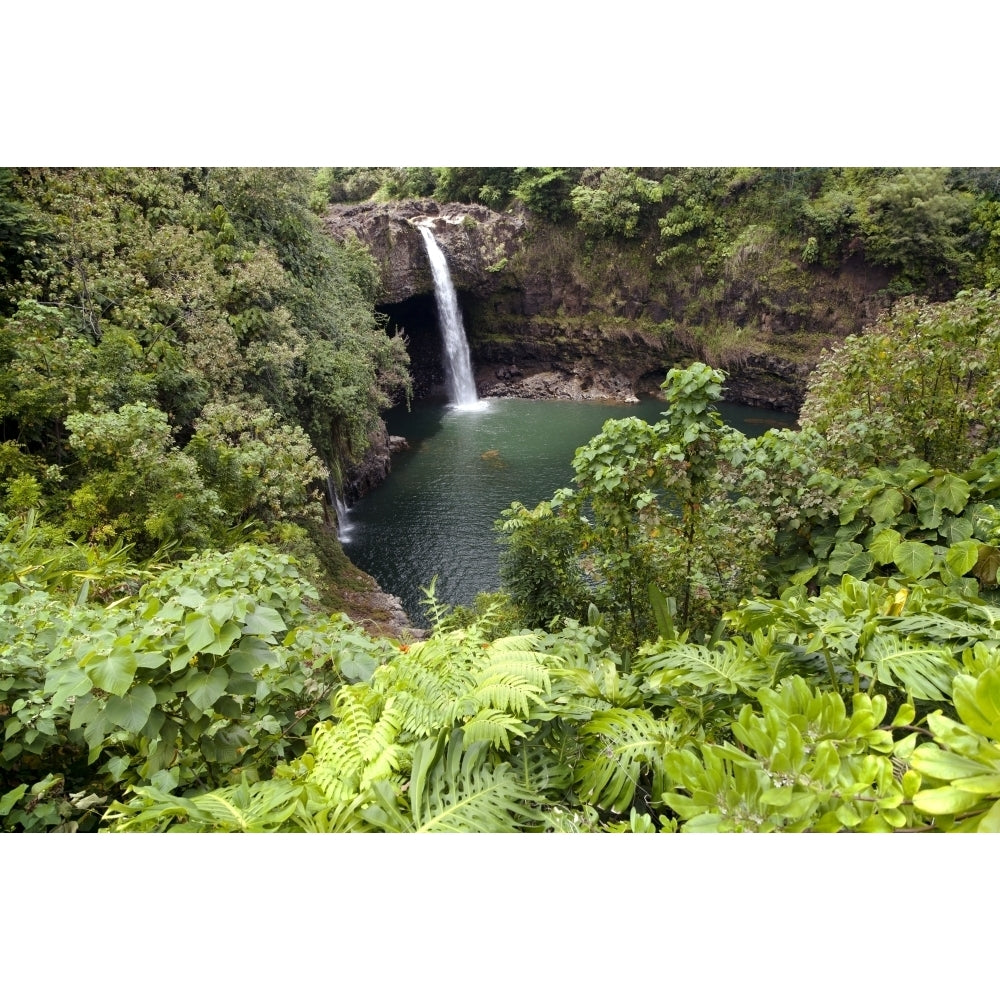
(171, 336)
(610, 202)
(920, 382)
(551, 731)
(213, 668)
(213, 698)
(647, 510)
(705, 632)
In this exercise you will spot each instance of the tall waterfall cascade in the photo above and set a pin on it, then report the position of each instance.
(457, 363)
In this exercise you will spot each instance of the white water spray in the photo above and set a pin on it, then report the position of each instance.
(344, 526)
(457, 363)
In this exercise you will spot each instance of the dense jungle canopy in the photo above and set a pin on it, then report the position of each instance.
(798, 632)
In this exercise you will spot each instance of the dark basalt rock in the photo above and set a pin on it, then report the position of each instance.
(546, 319)
(476, 241)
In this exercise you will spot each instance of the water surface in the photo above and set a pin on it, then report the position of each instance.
(434, 515)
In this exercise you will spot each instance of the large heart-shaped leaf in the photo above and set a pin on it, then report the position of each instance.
(112, 673)
(131, 710)
(914, 559)
(205, 689)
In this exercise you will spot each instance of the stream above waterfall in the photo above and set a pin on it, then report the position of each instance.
(434, 515)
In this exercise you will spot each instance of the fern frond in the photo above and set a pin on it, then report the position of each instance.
(494, 727)
(262, 808)
(525, 642)
(512, 657)
(454, 790)
(426, 682)
(380, 750)
(619, 745)
(510, 693)
(360, 747)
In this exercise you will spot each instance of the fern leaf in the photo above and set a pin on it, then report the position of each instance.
(507, 693)
(619, 745)
(454, 790)
(494, 727)
(263, 808)
(359, 748)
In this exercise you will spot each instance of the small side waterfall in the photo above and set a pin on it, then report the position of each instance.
(458, 366)
(344, 527)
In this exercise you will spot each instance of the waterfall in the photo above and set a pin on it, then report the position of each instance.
(458, 366)
(344, 527)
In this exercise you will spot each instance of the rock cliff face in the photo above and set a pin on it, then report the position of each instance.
(549, 315)
(475, 240)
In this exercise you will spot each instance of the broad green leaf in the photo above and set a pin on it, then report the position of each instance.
(241, 684)
(887, 505)
(962, 556)
(843, 555)
(220, 611)
(263, 621)
(94, 732)
(848, 814)
(149, 661)
(69, 685)
(884, 544)
(131, 710)
(85, 710)
(987, 565)
(942, 764)
(229, 634)
(977, 700)
(189, 598)
(11, 799)
(914, 559)
(896, 818)
(116, 767)
(953, 493)
(984, 784)
(113, 673)
(357, 666)
(229, 707)
(956, 529)
(905, 715)
(929, 509)
(205, 689)
(990, 823)
(945, 801)
(860, 565)
(199, 632)
(251, 654)
(223, 747)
